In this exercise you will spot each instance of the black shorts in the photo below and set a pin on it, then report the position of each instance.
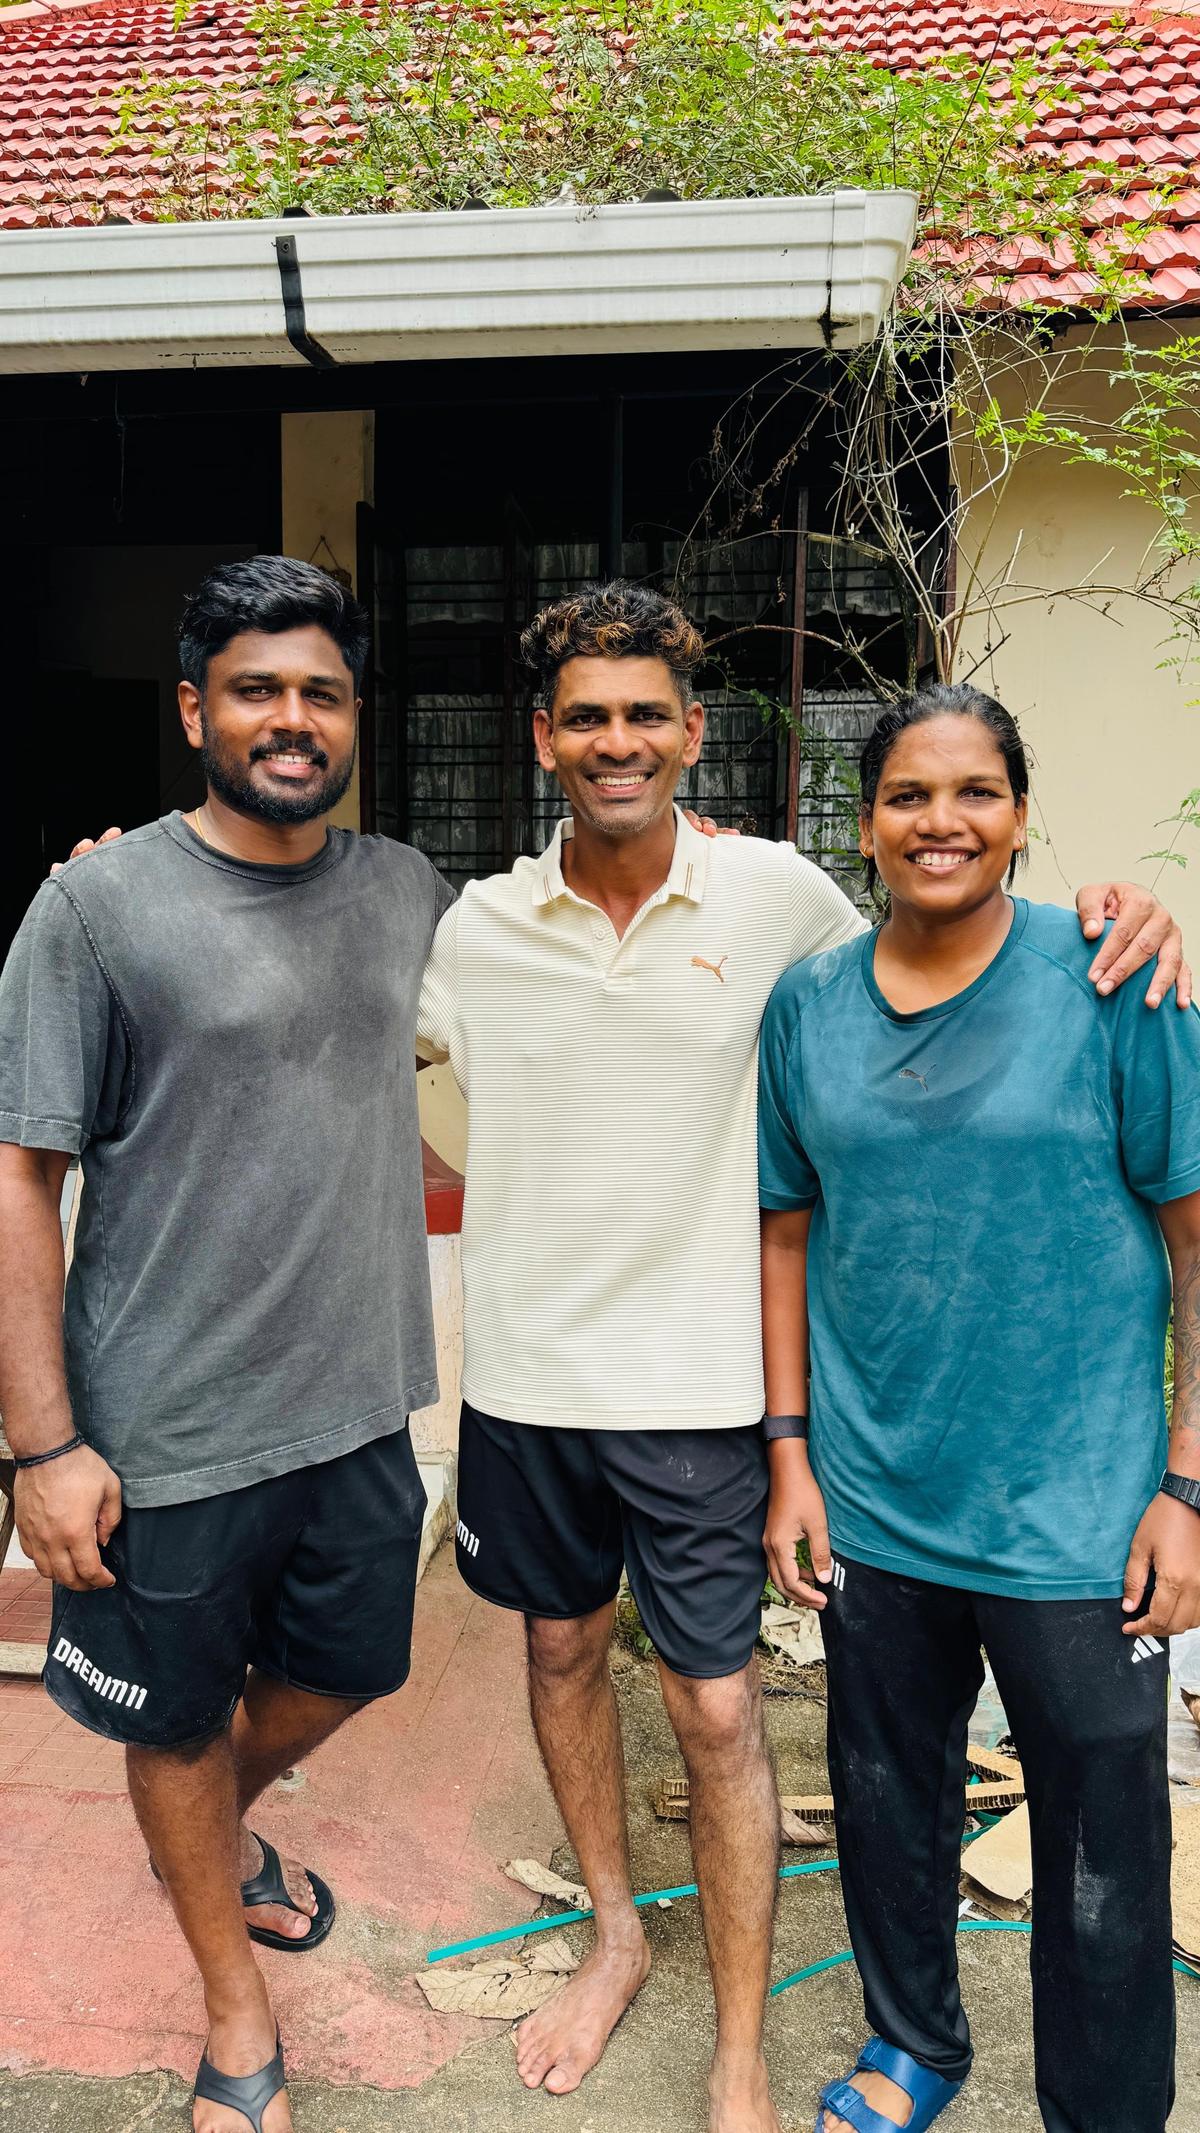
(309, 1577)
(546, 1517)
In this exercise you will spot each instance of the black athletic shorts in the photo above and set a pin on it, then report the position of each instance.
(309, 1577)
(546, 1517)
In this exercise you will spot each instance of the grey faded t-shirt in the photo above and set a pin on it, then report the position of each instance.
(231, 1048)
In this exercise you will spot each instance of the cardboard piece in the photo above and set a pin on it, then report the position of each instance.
(1000, 1788)
(1185, 1876)
(998, 1867)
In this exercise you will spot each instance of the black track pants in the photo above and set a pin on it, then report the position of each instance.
(1088, 1711)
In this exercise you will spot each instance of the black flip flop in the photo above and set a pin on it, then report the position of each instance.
(269, 1886)
(248, 2094)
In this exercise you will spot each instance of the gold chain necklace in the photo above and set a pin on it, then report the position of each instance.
(199, 832)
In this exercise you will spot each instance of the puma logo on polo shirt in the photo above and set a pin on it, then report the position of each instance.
(717, 969)
(93, 1677)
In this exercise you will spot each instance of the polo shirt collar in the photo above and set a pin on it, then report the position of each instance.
(686, 878)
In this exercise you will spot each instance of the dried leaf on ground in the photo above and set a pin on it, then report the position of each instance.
(545, 1882)
(504, 1987)
(793, 1633)
(794, 1830)
(1191, 1698)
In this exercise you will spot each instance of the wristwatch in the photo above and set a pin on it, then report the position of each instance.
(776, 1426)
(1184, 1490)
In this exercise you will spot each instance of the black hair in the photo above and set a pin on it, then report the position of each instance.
(940, 699)
(620, 620)
(271, 593)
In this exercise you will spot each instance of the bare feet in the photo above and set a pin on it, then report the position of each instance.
(561, 2043)
(738, 2096)
(891, 2102)
(275, 1917)
(241, 2043)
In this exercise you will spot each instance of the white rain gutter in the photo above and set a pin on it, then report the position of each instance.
(667, 276)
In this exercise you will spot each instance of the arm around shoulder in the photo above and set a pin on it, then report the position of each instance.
(438, 1003)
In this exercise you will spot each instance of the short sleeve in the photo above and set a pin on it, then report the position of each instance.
(821, 914)
(439, 989)
(786, 1178)
(1157, 1063)
(443, 897)
(63, 1049)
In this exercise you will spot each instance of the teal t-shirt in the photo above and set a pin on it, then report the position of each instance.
(988, 1288)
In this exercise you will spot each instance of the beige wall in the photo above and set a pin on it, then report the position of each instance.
(328, 469)
(435, 1429)
(1116, 736)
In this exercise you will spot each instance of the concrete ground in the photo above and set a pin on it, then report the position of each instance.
(410, 1814)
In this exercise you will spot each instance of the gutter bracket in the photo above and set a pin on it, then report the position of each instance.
(294, 322)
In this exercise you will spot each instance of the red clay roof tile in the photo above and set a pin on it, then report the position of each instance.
(63, 73)
(1177, 285)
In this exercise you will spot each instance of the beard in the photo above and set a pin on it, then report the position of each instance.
(230, 780)
(616, 822)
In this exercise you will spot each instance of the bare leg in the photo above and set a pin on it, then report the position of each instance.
(579, 1733)
(186, 1804)
(275, 1726)
(735, 1846)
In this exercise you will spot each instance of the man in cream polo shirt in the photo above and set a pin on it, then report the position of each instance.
(600, 1006)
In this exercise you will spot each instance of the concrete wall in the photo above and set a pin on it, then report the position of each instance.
(435, 1429)
(1116, 735)
(327, 470)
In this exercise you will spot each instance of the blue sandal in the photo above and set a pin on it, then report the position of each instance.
(247, 2093)
(928, 2091)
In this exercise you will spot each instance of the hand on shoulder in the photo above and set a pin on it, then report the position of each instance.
(86, 844)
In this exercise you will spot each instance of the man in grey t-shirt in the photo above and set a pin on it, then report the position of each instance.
(215, 1468)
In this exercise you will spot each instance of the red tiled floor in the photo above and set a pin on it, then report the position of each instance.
(24, 1607)
(410, 1813)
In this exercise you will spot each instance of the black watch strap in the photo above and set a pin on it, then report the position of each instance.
(1182, 1489)
(776, 1426)
(42, 1458)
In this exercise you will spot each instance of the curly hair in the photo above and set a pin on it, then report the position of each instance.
(619, 620)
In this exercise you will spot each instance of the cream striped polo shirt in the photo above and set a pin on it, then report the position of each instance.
(610, 1226)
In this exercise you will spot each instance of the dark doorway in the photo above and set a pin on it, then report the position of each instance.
(495, 499)
(115, 505)
(93, 787)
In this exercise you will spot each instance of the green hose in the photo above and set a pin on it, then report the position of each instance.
(969, 1925)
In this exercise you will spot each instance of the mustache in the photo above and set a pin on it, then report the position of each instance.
(302, 746)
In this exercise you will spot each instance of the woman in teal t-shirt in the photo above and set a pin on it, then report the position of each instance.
(968, 1165)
